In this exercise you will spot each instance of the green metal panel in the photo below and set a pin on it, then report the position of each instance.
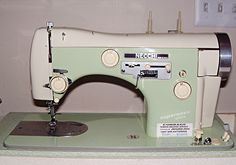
(162, 104)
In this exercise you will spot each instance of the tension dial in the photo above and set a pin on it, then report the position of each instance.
(59, 83)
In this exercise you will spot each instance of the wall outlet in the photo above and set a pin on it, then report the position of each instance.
(215, 13)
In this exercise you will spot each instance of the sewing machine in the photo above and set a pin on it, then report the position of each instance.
(179, 76)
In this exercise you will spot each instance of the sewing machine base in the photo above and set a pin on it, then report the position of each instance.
(106, 132)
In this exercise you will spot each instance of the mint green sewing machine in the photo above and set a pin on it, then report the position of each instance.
(179, 76)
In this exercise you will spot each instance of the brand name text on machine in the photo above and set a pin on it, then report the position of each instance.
(146, 55)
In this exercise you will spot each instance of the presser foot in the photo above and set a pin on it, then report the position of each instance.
(67, 128)
(52, 127)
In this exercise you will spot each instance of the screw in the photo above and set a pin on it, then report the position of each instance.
(63, 36)
(182, 73)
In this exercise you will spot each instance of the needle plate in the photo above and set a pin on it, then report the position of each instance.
(41, 128)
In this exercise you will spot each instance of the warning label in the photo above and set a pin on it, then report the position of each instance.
(174, 129)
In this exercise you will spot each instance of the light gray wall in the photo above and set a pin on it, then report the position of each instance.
(19, 19)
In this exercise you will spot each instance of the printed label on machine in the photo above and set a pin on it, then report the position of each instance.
(174, 129)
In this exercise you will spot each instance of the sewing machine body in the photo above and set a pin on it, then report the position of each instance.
(80, 53)
(179, 76)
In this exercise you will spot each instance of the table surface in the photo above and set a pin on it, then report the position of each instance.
(7, 123)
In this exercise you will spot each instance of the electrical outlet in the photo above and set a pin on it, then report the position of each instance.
(215, 13)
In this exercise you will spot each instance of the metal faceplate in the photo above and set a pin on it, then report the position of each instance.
(158, 70)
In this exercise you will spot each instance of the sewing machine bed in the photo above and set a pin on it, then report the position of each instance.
(106, 132)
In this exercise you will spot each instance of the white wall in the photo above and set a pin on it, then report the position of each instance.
(19, 19)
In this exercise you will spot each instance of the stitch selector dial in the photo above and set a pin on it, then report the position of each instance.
(59, 83)
(182, 90)
(110, 58)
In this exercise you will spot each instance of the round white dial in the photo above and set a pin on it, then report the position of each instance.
(59, 84)
(110, 58)
(182, 90)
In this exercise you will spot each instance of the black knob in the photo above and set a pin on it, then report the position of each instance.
(207, 141)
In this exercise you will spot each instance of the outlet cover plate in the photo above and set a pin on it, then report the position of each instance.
(215, 13)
